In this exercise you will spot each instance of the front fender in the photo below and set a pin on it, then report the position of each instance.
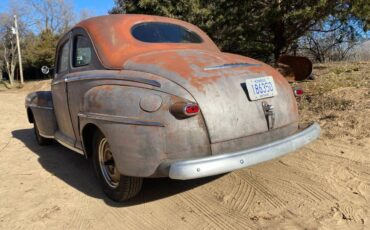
(39, 98)
(40, 109)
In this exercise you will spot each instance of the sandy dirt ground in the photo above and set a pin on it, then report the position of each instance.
(325, 185)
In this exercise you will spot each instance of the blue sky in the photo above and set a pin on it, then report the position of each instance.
(96, 7)
(80, 7)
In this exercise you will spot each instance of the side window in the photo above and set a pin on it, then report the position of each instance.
(63, 58)
(81, 51)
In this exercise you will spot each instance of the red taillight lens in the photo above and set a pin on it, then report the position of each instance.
(184, 109)
(191, 109)
(298, 92)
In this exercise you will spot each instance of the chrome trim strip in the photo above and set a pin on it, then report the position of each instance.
(40, 107)
(69, 147)
(214, 165)
(119, 119)
(58, 82)
(46, 136)
(232, 65)
(110, 77)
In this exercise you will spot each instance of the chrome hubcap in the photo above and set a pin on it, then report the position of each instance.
(107, 164)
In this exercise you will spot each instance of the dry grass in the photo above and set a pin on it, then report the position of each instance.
(28, 86)
(339, 99)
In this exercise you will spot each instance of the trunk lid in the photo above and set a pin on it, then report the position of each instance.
(216, 81)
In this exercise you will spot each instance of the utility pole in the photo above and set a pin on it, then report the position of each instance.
(19, 49)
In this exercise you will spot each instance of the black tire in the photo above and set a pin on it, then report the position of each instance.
(40, 139)
(117, 187)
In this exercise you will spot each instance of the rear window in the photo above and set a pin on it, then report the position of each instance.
(159, 32)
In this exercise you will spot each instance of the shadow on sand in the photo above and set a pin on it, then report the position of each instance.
(75, 170)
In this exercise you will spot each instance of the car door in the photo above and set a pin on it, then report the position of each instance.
(65, 133)
(83, 63)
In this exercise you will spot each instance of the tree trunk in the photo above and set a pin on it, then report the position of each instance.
(279, 32)
(10, 68)
(279, 40)
(11, 74)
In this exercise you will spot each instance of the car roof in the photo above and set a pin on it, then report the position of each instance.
(114, 43)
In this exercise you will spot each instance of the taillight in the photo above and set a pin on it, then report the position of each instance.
(184, 109)
(298, 92)
(191, 109)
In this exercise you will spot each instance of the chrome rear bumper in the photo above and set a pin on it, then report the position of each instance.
(214, 165)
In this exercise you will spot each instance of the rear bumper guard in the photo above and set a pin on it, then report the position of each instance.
(214, 165)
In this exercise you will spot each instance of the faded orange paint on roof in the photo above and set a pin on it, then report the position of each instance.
(115, 44)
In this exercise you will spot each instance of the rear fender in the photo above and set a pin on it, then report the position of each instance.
(141, 131)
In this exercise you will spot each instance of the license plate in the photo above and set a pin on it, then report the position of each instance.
(261, 87)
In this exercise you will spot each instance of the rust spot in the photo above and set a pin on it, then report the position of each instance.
(185, 62)
(106, 87)
(189, 66)
(114, 43)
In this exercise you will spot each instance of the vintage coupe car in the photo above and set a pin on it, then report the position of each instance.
(147, 96)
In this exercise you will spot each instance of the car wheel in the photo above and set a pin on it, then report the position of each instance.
(40, 139)
(117, 187)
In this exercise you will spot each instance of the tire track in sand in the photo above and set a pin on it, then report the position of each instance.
(242, 194)
(219, 216)
(260, 188)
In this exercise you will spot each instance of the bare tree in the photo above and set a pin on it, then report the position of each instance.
(329, 42)
(54, 15)
(85, 13)
(8, 45)
(361, 52)
(1, 65)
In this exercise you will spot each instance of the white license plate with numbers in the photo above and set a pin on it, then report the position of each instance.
(262, 87)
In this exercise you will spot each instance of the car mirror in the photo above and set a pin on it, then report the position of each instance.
(45, 70)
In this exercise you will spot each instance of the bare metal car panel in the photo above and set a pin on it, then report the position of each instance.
(221, 93)
(140, 140)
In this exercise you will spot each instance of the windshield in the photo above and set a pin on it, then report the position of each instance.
(159, 32)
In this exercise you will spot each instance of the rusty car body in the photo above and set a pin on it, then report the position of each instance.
(147, 96)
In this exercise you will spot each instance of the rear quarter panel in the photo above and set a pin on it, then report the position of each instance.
(140, 140)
